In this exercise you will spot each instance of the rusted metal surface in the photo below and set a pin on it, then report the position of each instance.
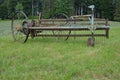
(70, 20)
(63, 28)
(35, 28)
(71, 35)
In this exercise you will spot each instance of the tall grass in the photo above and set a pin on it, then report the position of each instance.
(51, 59)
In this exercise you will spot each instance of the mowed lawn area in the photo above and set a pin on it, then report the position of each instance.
(52, 59)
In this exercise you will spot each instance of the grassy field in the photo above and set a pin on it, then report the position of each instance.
(51, 59)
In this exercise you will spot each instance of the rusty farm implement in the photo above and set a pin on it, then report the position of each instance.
(60, 26)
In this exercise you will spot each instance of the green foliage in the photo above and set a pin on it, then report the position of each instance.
(52, 7)
(63, 6)
(117, 11)
(27, 6)
(3, 12)
(19, 7)
(11, 8)
(107, 9)
(48, 8)
(103, 8)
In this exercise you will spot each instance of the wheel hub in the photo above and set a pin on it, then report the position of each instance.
(18, 28)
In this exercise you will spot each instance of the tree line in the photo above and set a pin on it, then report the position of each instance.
(103, 8)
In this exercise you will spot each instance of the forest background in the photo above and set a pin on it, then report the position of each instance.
(103, 8)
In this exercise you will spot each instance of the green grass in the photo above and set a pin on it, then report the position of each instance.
(51, 59)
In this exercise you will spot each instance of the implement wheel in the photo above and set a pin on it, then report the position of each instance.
(19, 26)
(91, 41)
(62, 24)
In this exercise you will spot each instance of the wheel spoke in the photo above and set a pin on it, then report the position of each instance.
(17, 26)
(62, 24)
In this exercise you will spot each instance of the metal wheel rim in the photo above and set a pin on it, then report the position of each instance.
(17, 34)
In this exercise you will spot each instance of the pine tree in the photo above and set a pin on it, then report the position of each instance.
(64, 6)
(19, 7)
(3, 11)
(117, 11)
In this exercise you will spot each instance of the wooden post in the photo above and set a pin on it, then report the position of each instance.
(39, 18)
(107, 29)
(107, 33)
(39, 15)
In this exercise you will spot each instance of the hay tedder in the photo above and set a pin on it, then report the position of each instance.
(59, 26)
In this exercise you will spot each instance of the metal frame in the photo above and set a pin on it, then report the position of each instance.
(33, 31)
